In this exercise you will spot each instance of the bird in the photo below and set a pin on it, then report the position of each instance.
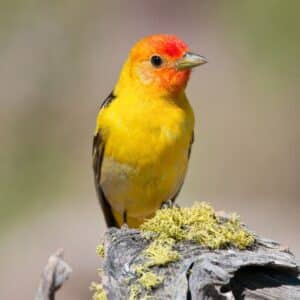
(144, 132)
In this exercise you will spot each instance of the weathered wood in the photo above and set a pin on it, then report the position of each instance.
(55, 273)
(266, 271)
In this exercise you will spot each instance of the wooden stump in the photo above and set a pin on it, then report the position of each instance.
(266, 271)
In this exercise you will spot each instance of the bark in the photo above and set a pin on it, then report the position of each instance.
(55, 273)
(266, 271)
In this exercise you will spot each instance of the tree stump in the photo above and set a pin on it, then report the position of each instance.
(167, 259)
(265, 271)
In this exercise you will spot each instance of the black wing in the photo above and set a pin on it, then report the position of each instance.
(191, 143)
(189, 154)
(98, 151)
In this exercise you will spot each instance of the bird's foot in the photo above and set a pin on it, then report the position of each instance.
(169, 204)
(124, 226)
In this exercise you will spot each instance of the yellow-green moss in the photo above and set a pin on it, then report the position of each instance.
(135, 290)
(147, 280)
(160, 252)
(139, 269)
(135, 293)
(100, 250)
(97, 288)
(200, 224)
(99, 293)
(150, 280)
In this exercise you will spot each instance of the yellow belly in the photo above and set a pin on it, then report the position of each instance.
(140, 191)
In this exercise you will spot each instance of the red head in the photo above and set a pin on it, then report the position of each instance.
(162, 63)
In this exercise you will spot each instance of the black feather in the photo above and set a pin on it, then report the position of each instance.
(98, 151)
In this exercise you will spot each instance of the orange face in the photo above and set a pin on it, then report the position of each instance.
(154, 63)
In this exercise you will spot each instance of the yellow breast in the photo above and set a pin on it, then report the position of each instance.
(146, 152)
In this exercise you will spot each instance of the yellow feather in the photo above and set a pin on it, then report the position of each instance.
(146, 140)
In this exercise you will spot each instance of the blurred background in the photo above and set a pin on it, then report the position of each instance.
(60, 59)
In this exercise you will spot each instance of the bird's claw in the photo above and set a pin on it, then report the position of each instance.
(169, 204)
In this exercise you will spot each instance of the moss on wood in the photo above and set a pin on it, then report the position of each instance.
(200, 224)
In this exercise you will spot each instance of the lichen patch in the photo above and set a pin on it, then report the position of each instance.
(200, 224)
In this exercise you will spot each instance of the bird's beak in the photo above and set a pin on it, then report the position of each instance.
(190, 60)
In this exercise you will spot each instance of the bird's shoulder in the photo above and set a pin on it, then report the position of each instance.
(108, 100)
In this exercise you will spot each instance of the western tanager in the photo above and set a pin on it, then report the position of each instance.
(144, 131)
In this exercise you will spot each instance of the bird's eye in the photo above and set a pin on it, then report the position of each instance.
(156, 61)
